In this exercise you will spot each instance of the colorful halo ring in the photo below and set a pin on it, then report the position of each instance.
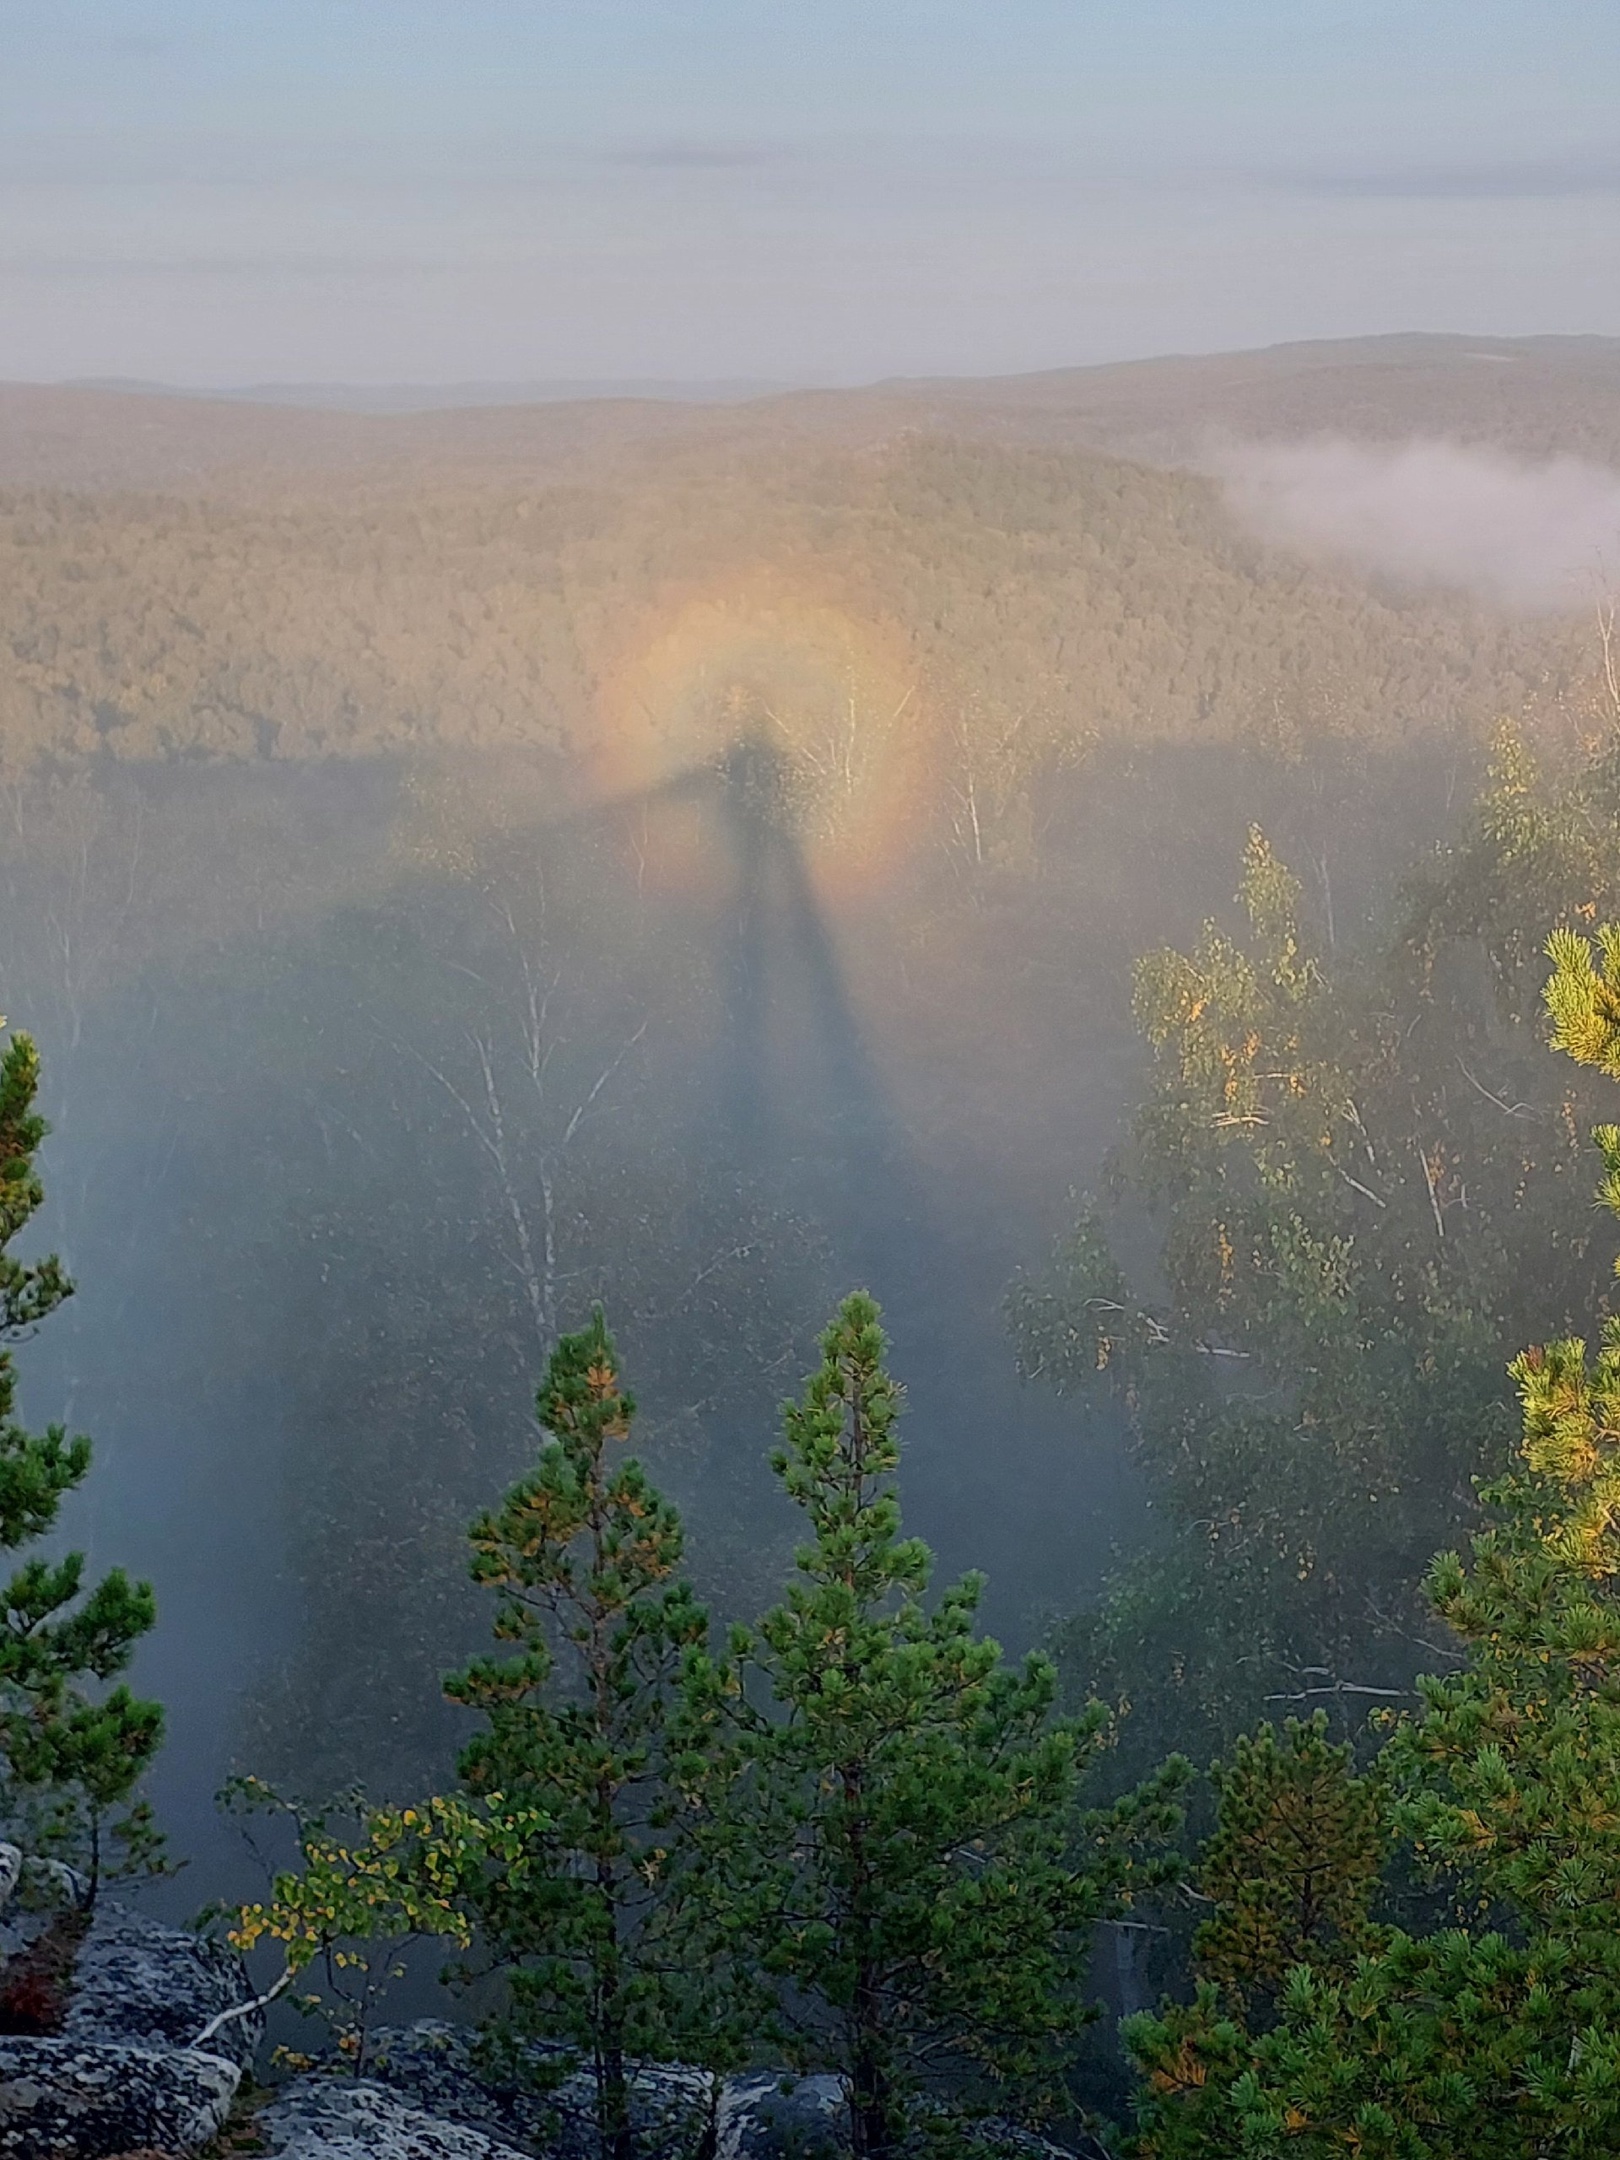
(837, 700)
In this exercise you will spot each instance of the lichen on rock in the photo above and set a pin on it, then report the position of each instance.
(343, 2118)
(64, 2099)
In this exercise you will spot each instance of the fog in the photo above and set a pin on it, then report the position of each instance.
(1538, 534)
(365, 1081)
(464, 866)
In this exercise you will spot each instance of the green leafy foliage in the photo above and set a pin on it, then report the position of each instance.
(1360, 1176)
(72, 1748)
(891, 1832)
(1539, 855)
(355, 1905)
(1497, 2037)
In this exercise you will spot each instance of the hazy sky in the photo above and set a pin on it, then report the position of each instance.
(218, 191)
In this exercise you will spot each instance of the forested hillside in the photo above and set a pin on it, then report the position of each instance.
(1091, 598)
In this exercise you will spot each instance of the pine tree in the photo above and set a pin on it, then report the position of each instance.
(1288, 1876)
(583, 1554)
(1498, 2037)
(896, 1842)
(1293, 1864)
(71, 1749)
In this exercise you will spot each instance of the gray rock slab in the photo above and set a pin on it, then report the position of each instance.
(1007, 2142)
(433, 2065)
(438, 2067)
(344, 2118)
(136, 1980)
(34, 1895)
(64, 2099)
(780, 2118)
(53, 1882)
(20, 1929)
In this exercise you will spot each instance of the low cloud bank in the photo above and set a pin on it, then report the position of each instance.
(1533, 535)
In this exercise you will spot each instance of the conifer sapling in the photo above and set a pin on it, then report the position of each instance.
(894, 1833)
(71, 1748)
(583, 1554)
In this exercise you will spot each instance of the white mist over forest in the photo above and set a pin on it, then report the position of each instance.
(1532, 534)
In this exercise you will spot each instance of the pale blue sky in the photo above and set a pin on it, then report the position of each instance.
(431, 190)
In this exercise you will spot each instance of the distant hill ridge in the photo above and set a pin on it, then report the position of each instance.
(448, 397)
(1539, 397)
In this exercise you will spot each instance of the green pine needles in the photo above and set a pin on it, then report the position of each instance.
(72, 1749)
(1582, 997)
(895, 1820)
(1294, 1864)
(583, 1555)
(851, 1840)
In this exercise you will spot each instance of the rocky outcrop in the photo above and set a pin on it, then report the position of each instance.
(343, 2118)
(437, 2067)
(137, 1980)
(84, 2100)
(121, 2072)
(767, 2118)
(440, 2069)
(24, 1919)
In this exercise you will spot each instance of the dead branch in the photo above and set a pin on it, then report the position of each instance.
(1518, 1110)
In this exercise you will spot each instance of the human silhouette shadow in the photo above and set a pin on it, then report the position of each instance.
(799, 1104)
(795, 1096)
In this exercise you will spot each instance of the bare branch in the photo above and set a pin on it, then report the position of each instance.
(541, 1291)
(242, 2010)
(1518, 1110)
(601, 1081)
(1606, 643)
(1345, 1687)
(1366, 1191)
(1429, 1180)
